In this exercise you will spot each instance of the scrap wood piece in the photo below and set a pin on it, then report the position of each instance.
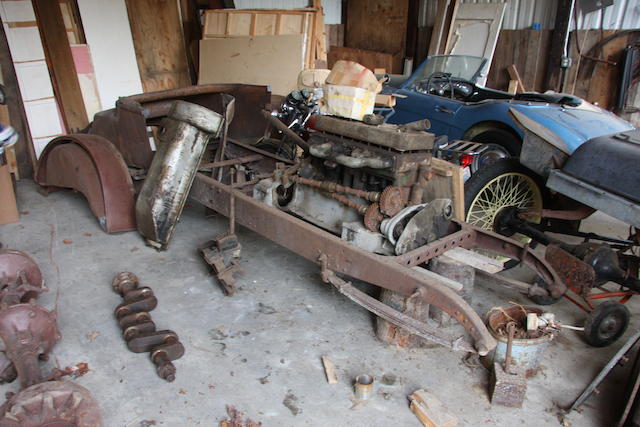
(514, 75)
(329, 370)
(430, 411)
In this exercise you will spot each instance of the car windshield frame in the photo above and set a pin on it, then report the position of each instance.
(438, 63)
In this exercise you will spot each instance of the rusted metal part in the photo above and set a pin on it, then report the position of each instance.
(416, 327)
(20, 277)
(359, 207)
(342, 258)
(582, 212)
(231, 162)
(285, 130)
(228, 110)
(186, 132)
(373, 217)
(392, 200)
(51, 404)
(222, 255)
(93, 166)
(163, 354)
(126, 125)
(332, 187)
(29, 333)
(575, 273)
(138, 329)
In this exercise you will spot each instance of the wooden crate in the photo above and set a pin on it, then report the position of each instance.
(237, 22)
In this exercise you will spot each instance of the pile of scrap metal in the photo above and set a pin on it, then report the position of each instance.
(354, 203)
(28, 333)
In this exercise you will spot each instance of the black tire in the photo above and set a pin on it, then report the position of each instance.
(606, 323)
(507, 139)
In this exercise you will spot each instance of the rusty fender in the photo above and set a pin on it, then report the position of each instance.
(312, 242)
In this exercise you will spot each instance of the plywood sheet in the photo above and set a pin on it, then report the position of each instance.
(274, 61)
(158, 40)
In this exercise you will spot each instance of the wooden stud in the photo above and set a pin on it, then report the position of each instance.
(60, 63)
(329, 370)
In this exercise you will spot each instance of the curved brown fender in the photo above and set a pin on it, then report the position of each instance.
(93, 166)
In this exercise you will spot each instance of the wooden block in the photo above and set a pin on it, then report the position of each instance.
(8, 206)
(430, 411)
(476, 260)
(507, 388)
(329, 370)
(513, 73)
(379, 71)
(513, 86)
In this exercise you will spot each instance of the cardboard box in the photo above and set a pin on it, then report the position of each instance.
(347, 101)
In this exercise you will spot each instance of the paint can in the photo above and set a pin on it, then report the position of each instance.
(527, 353)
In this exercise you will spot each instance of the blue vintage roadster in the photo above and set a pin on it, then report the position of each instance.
(542, 162)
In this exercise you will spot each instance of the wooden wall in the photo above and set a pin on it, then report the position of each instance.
(527, 49)
(379, 25)
(597, 82)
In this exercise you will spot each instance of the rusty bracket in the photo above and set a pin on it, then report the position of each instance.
(384, 311)
(222, 254)
(139, 331)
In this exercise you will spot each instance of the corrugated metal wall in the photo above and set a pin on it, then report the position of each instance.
(521, 14)
(332, 8)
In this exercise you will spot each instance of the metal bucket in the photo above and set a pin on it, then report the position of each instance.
(525, 353)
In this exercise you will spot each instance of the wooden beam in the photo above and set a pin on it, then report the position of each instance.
(60, 62)
(156, 28)
(560, 30)
(25, 153)
(513, 73)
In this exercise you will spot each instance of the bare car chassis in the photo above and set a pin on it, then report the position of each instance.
(123, 131)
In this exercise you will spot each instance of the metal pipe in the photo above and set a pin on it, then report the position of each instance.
(288, 132)
(332, 187)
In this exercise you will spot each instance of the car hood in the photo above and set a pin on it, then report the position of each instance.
(572, 125)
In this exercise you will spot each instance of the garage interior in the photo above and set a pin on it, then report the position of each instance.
(326, 212)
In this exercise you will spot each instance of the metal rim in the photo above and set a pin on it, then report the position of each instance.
(610, 326)
(489, 155)
(511, 189)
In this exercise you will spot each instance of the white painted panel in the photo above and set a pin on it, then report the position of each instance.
(24, 43)
(43, 118)
(34, 80)
(17, 11)
(40, 143)
(106, 27)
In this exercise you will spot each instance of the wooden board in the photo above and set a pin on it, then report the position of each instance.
(60, 63)
(378, 25)
(526, 50)
(447, 183)
(274, 61)
(474, 31)
(156, 28)
(368, 58)
(335, 35)
(265, 22)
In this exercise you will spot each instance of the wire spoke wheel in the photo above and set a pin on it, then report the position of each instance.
(503, 184)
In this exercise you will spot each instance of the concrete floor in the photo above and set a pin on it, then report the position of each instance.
(260, 349)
